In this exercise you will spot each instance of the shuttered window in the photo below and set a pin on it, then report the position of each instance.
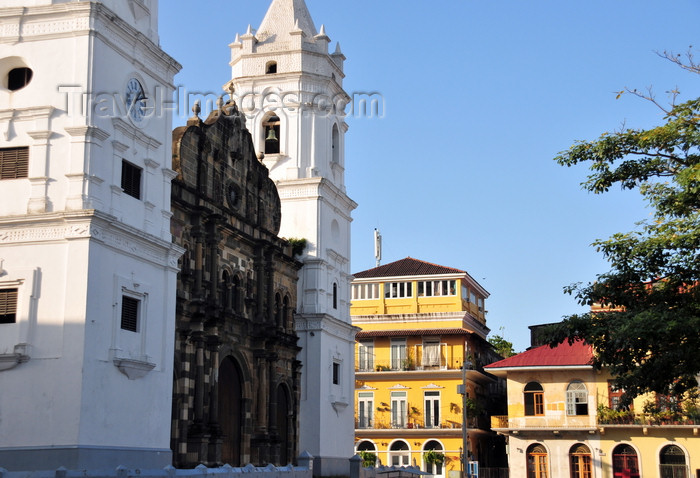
(14, 163)
(131, 179)
(8, 306)
(130, 314)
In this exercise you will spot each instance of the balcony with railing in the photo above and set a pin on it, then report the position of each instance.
(601, 421)
(428, 357)
(363, 423)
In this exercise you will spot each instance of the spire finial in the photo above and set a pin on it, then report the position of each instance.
(322, 34)
(197, 108)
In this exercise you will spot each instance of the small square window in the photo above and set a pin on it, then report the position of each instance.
(131, 179)
(130, 314)
(14, 163)
(336, 373)
(8, 306)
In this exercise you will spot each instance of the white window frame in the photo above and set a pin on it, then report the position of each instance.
(576, 394)
(129, 350)
(368, 291)
(437, 288)
(398, 349)
(398, 290)
(431, 412)
(399, 409)
(365, 410)
(426, 359)
(365, 355)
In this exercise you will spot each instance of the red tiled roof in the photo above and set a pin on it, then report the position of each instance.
(365, 334)
(565, 354)
(407, 267)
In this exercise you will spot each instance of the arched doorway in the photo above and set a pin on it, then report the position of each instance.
(580, 459)
(625, 462)
(434, 458)
(672, 462)
(231, 411)
(537, 466)
(283, 424)
(367, 450)
(399, 454)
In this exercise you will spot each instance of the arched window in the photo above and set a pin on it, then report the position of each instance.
(399, 454)
(278, 311)
(433, 461)
(625, 462)
(537, 466)
(576, 399)
(534, 399)
(286, 319)
(271, 68)
(580, 460)
(366, 445)
(335, 295)
(271, 130)
(236, 300)
(672, 462)
(335, 144)
(225, 295)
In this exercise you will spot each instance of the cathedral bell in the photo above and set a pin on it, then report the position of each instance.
(271, 135)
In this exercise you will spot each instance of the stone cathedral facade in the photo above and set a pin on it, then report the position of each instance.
(236, 393)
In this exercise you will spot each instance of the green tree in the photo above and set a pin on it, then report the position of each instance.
(502, 346)
(648, 330)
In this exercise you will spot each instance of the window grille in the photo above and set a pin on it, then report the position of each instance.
(131, 179)
(14, 163)
(8, 306)
(130, 314)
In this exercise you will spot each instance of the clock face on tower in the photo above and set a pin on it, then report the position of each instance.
(135, 100)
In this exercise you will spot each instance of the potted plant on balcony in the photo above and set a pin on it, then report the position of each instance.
(413, 412)
(692, 411)
(408, 363)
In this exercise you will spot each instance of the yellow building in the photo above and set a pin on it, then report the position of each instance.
(419, 321)
(563, 421)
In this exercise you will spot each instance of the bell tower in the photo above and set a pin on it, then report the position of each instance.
(87, 262)
(290, 86)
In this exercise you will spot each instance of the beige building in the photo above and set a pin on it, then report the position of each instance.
(564, 421)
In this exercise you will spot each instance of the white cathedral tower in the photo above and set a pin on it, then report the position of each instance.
(291, 89)
(87, 262)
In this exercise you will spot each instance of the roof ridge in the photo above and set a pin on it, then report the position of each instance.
(407, 267)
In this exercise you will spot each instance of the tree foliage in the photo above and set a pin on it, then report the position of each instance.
(646, 326)
(502, 346)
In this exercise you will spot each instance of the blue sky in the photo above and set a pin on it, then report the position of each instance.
(480, 96)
